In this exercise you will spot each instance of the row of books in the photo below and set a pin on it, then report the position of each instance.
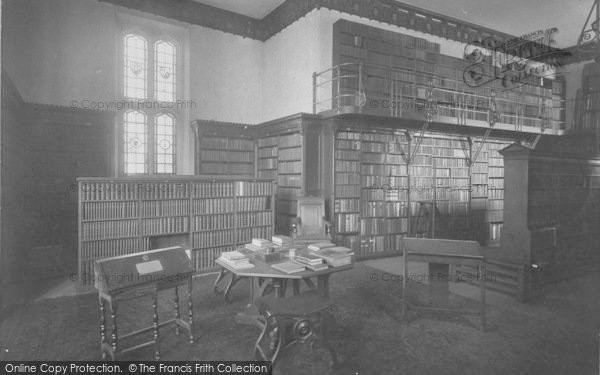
(109, 229)
(268, 142)
(109, 210)
(226, 143)
(216, 221)
(176, 224)
(342, 154)
(383, 226)
(212, 205)
(220, 168)
(253, 203)
(346, 222)
(165, 208)
(267, 163)
(347, 178)
(347, 191)
(226, 155)
(108, 248)
(253, 188)
(213, 238)
(289, 140)
(383, 209)
(289, 180)
(254, 219)
(290, 154)
(269, 151)
(109, 191)
(350, 145)
(289, 167)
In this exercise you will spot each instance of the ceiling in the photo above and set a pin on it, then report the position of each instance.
(515, 17)
(251, 8)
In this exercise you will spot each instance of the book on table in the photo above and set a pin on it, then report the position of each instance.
(320, 245)
(335, 256)
(236, 259)
(317, 267)
(262, 242)
(308, 258)
(233, 255)
(239, 264)
(288, 267)
(280, 239)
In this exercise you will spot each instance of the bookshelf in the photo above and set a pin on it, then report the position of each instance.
(552, 196)
(358, 164)
(224, 151)
(384, 73)
(285, 149)
(119, 216)
(373, 188)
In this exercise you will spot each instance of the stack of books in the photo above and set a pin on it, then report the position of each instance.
(281, 240)
(320, 245)
(335, 256)
(310, 261)
(236, 260)
(259, 244)
(288, 267)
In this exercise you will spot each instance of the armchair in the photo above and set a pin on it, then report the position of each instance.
(309, 225)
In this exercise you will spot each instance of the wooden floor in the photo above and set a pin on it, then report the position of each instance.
(555, 334)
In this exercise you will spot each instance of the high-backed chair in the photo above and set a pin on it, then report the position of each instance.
(310, 225)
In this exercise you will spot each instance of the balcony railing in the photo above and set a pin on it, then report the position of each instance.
(393, 92)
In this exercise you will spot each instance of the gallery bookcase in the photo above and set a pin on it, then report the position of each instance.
(396, 69)
(378, 197)
(209, 215)
(358, 164)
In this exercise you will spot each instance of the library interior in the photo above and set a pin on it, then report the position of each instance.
(325, 186)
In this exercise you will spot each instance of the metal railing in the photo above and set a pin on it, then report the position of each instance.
(396, 92)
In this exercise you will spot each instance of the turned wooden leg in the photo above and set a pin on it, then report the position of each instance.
(102, 327)
(323, 285)
(218, 280)
(177, 314)
(155, 325)
(191, 310)
(296, 287)
(115, 338)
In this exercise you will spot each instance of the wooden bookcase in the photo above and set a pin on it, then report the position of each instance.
(119, 216)
(377, 196)
(552, 196)
(224, 150)
(286, 150)
(397, 68)
(357, 163)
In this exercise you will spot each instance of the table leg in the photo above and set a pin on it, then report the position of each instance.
(404, 282)
(439, 285)
(482, 286)
(191, 309)
(218, 280)
(234, 279)
(177, 314)
(115, 337)
(155, 325)
(310, 284)
(296, 287)
(102, 327)
(323, 285)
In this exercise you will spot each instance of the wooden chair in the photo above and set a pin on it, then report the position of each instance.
(310, 225)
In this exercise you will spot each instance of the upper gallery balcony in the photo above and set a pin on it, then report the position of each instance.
(532, 105)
